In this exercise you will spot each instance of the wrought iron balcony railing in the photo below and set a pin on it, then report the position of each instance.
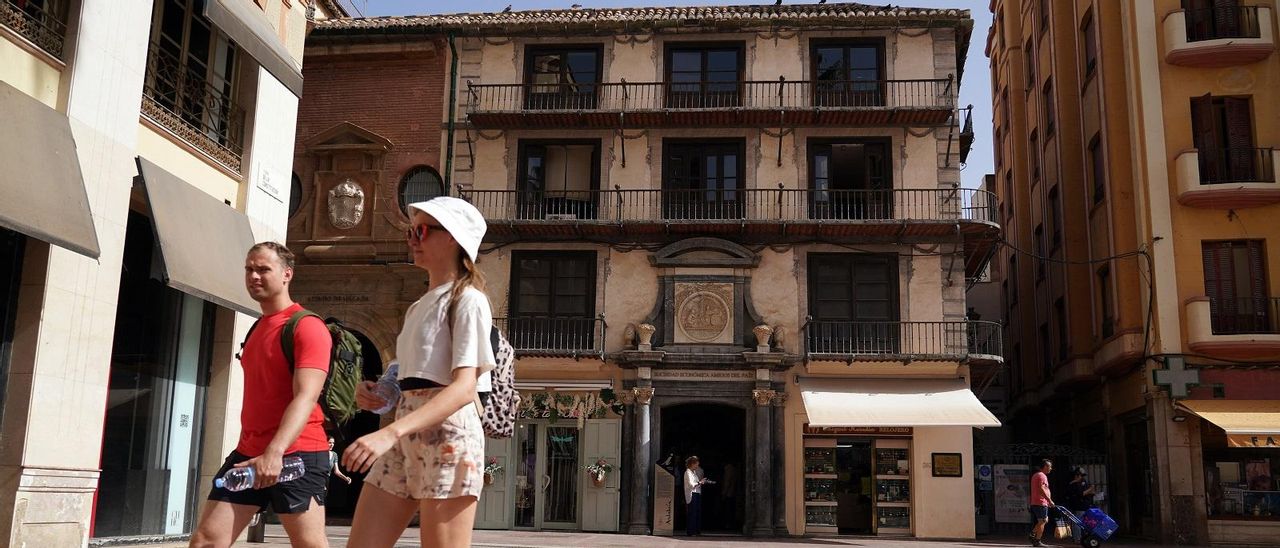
(183, 100)
(915, 340)
(752, 205)
(1223, 21)
(43, 22)
(1236, 165)
(1245, 315)
(551, 336)
(758, 95)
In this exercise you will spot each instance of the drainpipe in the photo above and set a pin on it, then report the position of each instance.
(453, 107)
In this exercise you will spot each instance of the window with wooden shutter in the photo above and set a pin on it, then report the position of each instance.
(1235, 282)
(853, 302)
(553, 300)
(1222, 130)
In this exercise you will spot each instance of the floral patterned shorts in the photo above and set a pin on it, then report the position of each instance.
(439, 463)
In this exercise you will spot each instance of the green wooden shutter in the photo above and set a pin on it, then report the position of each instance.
(602, 439)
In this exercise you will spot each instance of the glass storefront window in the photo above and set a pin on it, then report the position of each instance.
(12, 248)
(155, 403)
(1243, 483)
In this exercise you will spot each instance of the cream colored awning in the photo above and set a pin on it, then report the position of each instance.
(1248, 423)
(893, 402)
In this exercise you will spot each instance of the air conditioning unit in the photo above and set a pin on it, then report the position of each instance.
(561, 217)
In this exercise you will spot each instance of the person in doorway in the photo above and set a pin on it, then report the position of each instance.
(1079, 497)
(693, 482)
(280, 417)
(336, 466)
(430, 460)
(1041, 501)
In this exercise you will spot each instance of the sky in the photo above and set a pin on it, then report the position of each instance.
(974, 90)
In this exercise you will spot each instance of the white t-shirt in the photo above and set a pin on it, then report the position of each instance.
(429, 349)
(692, 484)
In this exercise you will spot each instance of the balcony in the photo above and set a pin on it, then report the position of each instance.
(723, 104)
(766, 215)
(1218, 36)
(554, 337)
(1246, 328)
(978, 341)
(1227, 179)
(181, 100)
(41, 23)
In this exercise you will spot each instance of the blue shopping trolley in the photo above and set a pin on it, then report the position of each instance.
(1095, 526)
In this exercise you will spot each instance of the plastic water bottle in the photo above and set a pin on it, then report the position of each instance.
(388, 388)
(239, 479)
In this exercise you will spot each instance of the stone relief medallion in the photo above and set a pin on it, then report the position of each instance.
(704, 313)
(346, 205)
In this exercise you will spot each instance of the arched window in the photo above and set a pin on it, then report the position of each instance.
(295, 195)
(419, 185)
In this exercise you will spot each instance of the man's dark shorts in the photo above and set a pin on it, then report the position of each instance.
(290, 497)
(1039, 513)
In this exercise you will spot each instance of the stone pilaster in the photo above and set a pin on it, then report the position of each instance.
(762, 490)
(642, 464)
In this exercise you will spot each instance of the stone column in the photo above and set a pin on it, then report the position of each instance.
(642, 468)
(762, 490)
(779, 470)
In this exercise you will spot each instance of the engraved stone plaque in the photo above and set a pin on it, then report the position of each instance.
(704, 313)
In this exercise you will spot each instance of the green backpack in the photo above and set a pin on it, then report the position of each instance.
(346, 363)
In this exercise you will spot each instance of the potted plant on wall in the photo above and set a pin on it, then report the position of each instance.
(491, 470)
(599, 471)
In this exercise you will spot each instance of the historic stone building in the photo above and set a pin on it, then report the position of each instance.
(731, 232)
(1135, 164)
(145, 148)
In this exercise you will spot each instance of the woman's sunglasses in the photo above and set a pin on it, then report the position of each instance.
(418, 233)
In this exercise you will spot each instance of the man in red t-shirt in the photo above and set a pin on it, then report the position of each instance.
(280, 415)
(1041, 501)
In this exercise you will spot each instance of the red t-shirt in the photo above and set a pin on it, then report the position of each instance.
(268, 382)
(1039, 486)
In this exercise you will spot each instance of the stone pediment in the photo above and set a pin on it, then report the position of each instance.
(347, 136)
(705, 252)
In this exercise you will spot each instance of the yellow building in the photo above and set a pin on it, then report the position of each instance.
(144, 148)
(735, 232)
(1135, 165)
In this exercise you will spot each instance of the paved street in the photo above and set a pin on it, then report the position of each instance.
(529, 539)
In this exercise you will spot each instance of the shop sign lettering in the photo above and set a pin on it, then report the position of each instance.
(1254, 440)
(858, 430)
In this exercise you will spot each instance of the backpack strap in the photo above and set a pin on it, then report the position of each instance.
(246, 339)
(290, 327)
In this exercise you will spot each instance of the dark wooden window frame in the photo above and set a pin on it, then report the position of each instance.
(703, 147)
(403, 186)
(848, 96)
(850, 261)
(1050, 111)
(1054, 205)
(1106, 311)
(1089, 36)
(564, 98)
(1227, 316)
(703, 98)
(1097, 169)
(554, 330)
(535, 204)
(1222, 130)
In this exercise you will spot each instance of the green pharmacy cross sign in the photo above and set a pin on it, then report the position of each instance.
(1176, 377)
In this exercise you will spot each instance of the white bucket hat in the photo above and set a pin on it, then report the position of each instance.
(463, 221)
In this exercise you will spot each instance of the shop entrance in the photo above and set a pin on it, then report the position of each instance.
(716, 434)
(548, 464)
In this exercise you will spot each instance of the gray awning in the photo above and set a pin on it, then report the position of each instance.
(203, 241)
(244, 22)
(42, 190)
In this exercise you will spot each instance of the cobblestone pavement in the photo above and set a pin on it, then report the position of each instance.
(542, 539)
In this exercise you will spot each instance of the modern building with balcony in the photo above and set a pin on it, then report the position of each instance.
(732, 232)
(1135, 167)
(145, 147)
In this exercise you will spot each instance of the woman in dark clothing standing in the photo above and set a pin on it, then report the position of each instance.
(1079, 497)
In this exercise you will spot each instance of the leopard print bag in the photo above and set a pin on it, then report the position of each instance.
(503, 403)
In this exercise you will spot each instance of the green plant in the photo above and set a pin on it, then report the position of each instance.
(600, 469)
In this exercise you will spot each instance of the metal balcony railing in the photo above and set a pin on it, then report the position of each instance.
(1224, 21)
(183, 100)
(933, 94)
(43, 22)
(951, 340)
(553, 336)
(755, 205)
(1245, 315)
(1236, 165)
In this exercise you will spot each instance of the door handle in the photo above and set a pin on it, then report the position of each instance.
(546, 481)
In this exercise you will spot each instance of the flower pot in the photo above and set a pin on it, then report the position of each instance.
(488, 478)
(597, 481)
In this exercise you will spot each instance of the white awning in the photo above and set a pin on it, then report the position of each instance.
(893, 402)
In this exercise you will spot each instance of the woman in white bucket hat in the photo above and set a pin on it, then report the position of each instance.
(431, 458)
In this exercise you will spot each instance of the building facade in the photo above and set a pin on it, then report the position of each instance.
(735, 232)
(1135, 169)
(146, 147)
